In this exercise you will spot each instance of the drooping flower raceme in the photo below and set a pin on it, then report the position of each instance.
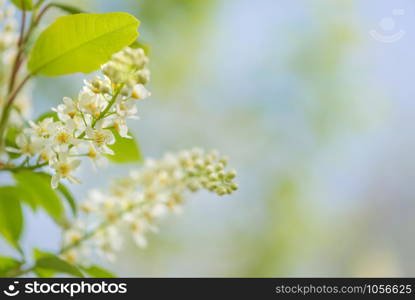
(85, 125)
(136, 201)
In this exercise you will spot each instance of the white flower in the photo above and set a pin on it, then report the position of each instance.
(29, 145)
(127, 109)
(98, 85)
(108, 241)
(140, 92)
(47, 154)
(93, 202)
(63, 133)
(120, 125)
(44, 127)
(138, 234)
(64, 166)
(97, 159)
(101, 138)
(91, 103)
(67, 110)
(23, 104)
(72, 236)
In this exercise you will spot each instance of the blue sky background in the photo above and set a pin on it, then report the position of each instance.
(302, 98)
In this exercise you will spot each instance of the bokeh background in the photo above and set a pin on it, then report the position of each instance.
(313, 101)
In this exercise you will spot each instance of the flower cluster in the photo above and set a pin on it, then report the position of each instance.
(8, 50)
(85, 125)
(136, 201)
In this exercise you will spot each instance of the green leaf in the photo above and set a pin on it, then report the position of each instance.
(81, 42)
(64, 191)
(126, 150)
(40, 272)
(51, 262)
(23, 4)
(11, 134)
(7, 265)
(49, 114)
(67, 8)
(98, 272)
(37, 187)
(11, 216)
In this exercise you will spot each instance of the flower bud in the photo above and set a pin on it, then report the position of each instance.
(214, 177)
(234, 186)
(219, 167)
(221, 191)
(231, 174)
(210, 169)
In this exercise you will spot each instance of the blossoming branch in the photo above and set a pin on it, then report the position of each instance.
(83, 125)
(40, 155)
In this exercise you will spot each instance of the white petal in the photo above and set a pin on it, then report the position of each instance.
(73, 179)
(75, 164)
(55, 181)
(107, 150)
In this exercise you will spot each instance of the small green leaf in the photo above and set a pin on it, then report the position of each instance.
(98, 272)
(67, 8)
(23, 4)
(49, 261)
(37, 187)
(81, 42)
(11, 134)
(11, 216)
(126, 150)
(49, 114)
(7, 265)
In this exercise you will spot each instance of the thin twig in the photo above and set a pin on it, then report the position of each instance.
(22, 168)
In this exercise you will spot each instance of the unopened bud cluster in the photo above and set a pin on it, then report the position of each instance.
(207, 171)
(128, 67)
(138, 200)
